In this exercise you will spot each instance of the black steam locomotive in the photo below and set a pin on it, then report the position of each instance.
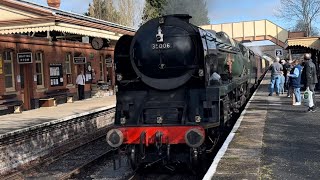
(177, 87)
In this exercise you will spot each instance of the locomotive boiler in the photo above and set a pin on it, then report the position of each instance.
(177, 87)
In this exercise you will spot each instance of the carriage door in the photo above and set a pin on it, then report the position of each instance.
(26, 78)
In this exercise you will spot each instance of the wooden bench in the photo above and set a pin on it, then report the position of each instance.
(55, 97)
(10, 104)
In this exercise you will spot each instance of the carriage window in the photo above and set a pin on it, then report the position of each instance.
(8, 71)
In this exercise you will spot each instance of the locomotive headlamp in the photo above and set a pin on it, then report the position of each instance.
(200, 73)
(115, 138)
(194, 138)
(159, 120)
(119, 77)
(123, 120)
(215, 76)
(197, 119)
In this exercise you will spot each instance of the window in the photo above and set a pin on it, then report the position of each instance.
(101, 68)
(8, 71)
(68, 68)
(39, 69)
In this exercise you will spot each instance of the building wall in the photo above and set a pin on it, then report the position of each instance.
(53, 52)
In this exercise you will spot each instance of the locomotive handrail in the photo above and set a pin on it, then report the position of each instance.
(227, 48)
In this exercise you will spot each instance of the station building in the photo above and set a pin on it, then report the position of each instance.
(43, 49)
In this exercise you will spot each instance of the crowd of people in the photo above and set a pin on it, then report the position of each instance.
(288, 76)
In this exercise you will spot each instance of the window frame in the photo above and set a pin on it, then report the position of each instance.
(69, 54)
(5, 60)
(41, 61)
(101, 68)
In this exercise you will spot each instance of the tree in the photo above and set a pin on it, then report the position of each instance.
(300, 26)
(152, 9)
(96, 9)
(197, 9)
(126, 10)
(306, 11)
(121, 11)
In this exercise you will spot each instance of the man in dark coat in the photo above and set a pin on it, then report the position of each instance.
(286, 70)
(311, 78)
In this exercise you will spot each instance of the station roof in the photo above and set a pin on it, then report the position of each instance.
(308, 42)
(20, 16)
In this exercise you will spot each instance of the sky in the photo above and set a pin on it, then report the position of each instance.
(219, 11)
(222, 11)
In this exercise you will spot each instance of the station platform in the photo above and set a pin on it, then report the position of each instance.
(272, 139)
(34, 136)
(15, 123)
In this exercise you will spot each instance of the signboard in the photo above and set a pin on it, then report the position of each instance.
(297, 53)
(278, 52)
(108, 64)
(24, 58)
(108, 61)
(79, 60)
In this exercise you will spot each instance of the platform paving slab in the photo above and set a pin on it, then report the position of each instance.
(275, 140)
(15, 123)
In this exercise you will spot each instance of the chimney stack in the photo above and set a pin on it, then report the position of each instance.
(54, 3)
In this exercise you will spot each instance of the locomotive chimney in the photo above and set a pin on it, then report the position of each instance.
(54, 3)
(184, 17)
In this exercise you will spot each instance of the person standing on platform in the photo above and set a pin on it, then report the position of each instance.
(80, 81)
(311, 78)
(282, 82)
(295, 81)
(286, 69)
(288, 66)
(276, 70)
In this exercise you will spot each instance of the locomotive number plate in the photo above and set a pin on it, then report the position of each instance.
(161, 46)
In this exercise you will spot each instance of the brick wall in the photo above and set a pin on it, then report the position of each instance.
(53, 52)
(38, 143)
(297, 34)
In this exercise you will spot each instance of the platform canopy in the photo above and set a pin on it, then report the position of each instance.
(19, 16)
(308, 42)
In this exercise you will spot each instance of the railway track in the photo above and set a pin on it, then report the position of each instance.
(95, 160)
(68, 164)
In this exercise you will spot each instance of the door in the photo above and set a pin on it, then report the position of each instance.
(26, 76)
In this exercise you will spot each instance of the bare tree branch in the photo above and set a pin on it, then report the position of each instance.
(304, 12)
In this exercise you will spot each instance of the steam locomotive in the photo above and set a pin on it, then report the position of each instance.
(177, 87)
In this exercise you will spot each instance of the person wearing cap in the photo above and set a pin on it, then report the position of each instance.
(276, 71)
(311, 78)
(295, 81)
